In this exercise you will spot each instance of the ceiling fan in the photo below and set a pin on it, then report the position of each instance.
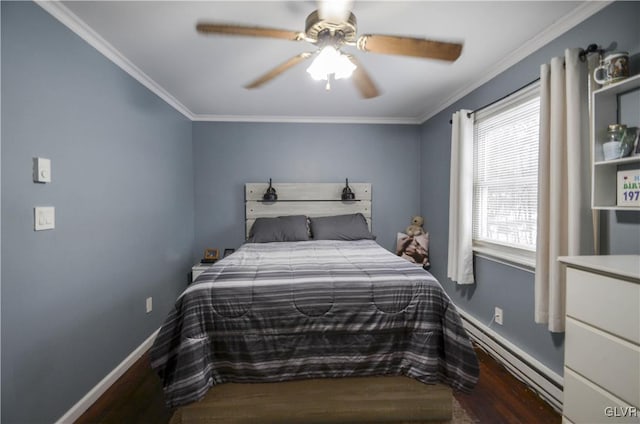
(330, 28)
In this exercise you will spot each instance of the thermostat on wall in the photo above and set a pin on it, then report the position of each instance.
(41, 170)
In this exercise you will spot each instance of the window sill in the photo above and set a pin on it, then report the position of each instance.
(516, 258)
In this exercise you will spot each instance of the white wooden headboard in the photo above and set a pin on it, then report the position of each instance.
(310, 199)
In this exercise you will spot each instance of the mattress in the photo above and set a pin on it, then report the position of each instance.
(314, 309)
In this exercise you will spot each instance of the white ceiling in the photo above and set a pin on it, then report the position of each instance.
(203, 76)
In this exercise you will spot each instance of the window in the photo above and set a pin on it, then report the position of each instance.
(505, 177)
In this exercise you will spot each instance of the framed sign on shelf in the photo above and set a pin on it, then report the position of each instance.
(629, 188)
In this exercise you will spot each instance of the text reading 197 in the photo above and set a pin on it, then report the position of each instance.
(631, 195)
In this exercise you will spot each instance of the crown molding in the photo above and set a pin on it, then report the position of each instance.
(579, 14)
(59, 11)
(63, 14)
(307, 119)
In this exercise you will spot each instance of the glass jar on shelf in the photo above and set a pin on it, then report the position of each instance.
(612, 147)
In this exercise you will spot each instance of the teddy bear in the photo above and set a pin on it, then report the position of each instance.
(415, 229)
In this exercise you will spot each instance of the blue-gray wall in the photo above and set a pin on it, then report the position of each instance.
(228, 155)
(0, 215)
(73, 298)
(125, 170)
(497, 284)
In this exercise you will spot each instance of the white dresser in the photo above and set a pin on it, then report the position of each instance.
(602, 339)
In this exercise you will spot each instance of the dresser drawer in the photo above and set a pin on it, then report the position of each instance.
(607, 303)
(585, 402)
(610, 362)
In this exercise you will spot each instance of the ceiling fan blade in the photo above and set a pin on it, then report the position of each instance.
(408, 46)
(278, 70)
(250, 31)
(363, 81)
(334, 10)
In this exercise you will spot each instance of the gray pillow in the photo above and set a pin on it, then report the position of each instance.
(341, 227)
(282, 228)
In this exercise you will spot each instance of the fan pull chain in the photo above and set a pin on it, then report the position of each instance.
(328, 86)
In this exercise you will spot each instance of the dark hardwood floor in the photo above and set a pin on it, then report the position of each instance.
(498, 398)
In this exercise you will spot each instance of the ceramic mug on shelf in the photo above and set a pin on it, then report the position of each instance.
(614, 67)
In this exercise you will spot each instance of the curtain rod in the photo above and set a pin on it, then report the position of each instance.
(591, 48)
(503, 97)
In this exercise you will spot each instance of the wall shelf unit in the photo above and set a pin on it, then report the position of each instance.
(604, 173)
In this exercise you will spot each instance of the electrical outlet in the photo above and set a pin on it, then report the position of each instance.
(497, 315)
(149, 304)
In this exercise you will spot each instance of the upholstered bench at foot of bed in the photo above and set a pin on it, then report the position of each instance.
(327, 401)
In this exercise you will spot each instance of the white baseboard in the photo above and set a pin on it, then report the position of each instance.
(94, 394)
(542, 380)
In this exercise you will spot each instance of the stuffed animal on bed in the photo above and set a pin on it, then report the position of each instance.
(415, 229)
(414, 248)
(414, 245)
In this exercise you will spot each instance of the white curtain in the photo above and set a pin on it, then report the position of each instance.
(460, 260)
(564, 215)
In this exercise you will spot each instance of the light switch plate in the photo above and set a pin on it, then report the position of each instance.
(44, 218)
(41, 170)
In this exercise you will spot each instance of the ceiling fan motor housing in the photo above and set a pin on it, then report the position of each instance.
(323, 31)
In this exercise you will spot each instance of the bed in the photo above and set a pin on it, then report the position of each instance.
(311, 308)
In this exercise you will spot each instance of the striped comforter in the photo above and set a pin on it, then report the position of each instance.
(280, 311)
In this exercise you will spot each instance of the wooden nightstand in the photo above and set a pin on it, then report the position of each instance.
(198, 269)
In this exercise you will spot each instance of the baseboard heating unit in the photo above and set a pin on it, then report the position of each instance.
(538, 377)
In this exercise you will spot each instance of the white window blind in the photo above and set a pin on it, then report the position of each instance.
(505, 163)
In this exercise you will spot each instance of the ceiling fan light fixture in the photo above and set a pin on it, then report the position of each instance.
(331, 61)
(329, 29)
